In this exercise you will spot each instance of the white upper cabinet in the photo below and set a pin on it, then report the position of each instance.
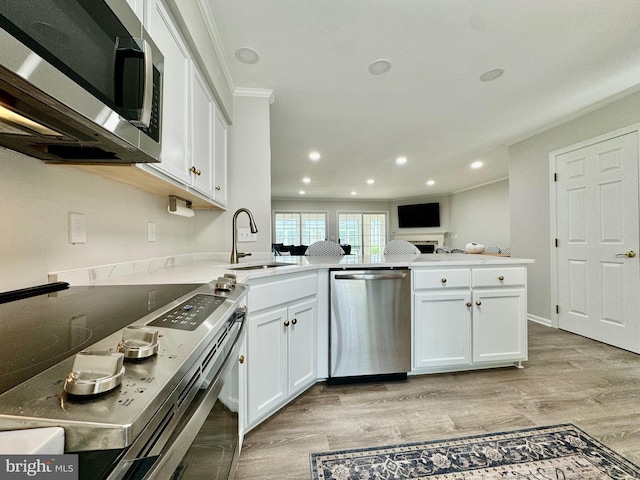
(175, 120)
(203, 111)
(194, 131)
(220, 158)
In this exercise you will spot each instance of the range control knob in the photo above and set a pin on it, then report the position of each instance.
(95, 372)
(223, 284)
(138, 342)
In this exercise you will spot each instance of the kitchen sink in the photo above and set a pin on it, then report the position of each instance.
(261, 266)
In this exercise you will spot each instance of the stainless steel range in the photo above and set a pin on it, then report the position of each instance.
(149, 364)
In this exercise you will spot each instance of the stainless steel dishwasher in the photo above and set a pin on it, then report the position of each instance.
(370, 329)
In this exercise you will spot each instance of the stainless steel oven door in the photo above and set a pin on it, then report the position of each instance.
(208, 443)
(158, 455)
(208, 417)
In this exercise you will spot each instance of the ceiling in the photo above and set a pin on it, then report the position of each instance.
(560, 59)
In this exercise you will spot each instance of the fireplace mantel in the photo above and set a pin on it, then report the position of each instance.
(437, 239)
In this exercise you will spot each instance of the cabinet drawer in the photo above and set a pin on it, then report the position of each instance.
(441, 278)
(277, 292)
(492, 277)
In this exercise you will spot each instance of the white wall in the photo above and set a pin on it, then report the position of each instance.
(35, 200)
(480, 215)
(249, 180)
(529, 190)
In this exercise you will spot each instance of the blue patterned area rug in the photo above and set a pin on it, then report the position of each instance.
(558, 452)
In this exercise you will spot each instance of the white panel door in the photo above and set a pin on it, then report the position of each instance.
(597, 225)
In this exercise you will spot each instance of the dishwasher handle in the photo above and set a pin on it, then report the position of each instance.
(371, 276)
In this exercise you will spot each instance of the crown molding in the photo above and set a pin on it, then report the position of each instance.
(212, 30)
(255, 92)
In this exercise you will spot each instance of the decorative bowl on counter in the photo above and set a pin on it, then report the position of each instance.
(473, 247)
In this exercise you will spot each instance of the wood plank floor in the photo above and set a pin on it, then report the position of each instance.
(568, 379)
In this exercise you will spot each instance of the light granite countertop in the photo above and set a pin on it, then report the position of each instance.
(207, 267)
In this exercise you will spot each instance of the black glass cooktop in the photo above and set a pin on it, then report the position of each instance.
(42, 330)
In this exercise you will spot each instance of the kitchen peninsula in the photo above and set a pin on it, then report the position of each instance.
(468, 312)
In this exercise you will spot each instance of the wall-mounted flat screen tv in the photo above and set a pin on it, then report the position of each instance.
(419, 215)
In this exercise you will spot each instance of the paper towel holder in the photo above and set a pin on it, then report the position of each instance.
(176, 209)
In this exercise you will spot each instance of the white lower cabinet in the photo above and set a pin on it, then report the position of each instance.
(442, 329)
(281, 352)
(468, 318)
(499, 325)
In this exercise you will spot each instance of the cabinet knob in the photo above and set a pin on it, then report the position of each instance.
(294, 321)
(501, 278)
(218, 188)
(241, 359)
(443, 280)
(195, 170)
(468, 304)
(478, 302)
(286, 323)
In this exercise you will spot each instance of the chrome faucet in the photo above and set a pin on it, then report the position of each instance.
(234, 239)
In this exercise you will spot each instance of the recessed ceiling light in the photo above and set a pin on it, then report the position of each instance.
(401, 160)
(371, 181)
(354, 193)
(306, 180)
(315, 156)
(492, 74)
(380, 66)
(431, 182)
(302, 192)
(476, 164)
(247, 55)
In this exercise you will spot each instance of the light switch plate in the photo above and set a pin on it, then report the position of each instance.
(151, 231)
(77, 228)
(245, 235)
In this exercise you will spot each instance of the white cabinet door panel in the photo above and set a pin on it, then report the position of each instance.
(202, 150)
(267, 360)
(499, 331)
(302, 346)
(220, 158)
(442, 329)
(175, 100)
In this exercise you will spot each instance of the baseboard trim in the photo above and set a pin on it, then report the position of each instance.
(542, 321)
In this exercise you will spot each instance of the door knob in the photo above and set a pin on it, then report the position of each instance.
(478, 302)
(468, 304)
(443, 280)
(629, 253)
(294, 321)
(286, 323)
(501, 278)
(241, 359)
(195, 170)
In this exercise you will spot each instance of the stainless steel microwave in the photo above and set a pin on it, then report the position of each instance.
(80, 82)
